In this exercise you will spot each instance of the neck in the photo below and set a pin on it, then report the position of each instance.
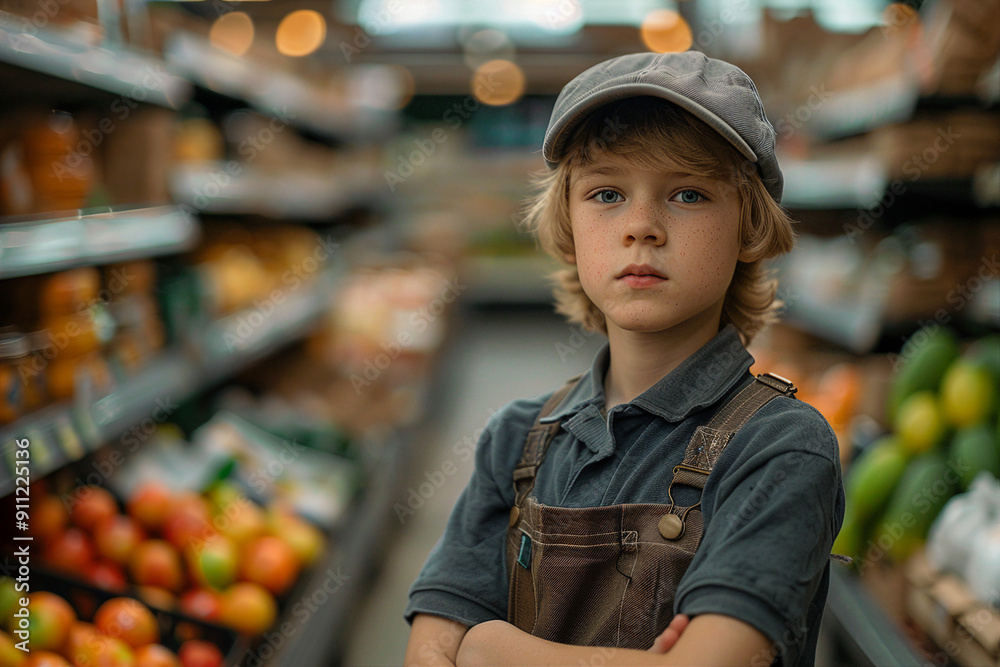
(639, 360)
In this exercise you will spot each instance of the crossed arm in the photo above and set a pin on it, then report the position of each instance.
(709, 639)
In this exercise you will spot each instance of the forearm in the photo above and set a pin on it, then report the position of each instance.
(433, 641)
(497, 643)
(707, 641)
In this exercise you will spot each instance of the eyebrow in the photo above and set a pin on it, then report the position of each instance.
(608, 170)
(612, 170)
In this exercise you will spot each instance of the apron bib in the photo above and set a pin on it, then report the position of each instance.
(607, 576)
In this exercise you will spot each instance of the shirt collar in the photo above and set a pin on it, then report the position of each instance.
(698, 382)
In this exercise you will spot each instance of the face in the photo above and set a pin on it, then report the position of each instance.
(655, 250)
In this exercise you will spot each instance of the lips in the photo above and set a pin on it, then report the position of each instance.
(640, 270)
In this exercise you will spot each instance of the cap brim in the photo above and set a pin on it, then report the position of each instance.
(562, 128)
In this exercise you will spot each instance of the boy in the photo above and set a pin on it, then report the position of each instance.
(666, 483)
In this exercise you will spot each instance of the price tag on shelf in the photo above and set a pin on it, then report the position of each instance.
(9, 457)
(69, 439)
(41, 450)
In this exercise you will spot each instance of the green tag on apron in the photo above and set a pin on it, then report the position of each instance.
(524, 556)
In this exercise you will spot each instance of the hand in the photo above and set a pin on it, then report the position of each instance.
(670, 635)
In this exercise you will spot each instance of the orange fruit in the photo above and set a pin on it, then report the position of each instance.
(199, 653)
(129, 620)
(149, 504)
(201, 603)
(156, 655)
(157, 563)
(103, 651)
(248, 608)
(90, 505)
(49, 621)
(270, 562)
(48, 518)
(116, 537)
(45, 659)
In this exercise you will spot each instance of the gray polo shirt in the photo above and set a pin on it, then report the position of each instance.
(772, 507)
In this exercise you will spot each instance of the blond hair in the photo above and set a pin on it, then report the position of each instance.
(654, 134)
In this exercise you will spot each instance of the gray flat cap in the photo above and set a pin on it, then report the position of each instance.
(715, 91)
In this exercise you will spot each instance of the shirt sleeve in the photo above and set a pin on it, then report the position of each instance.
(774, 516)
(464, 578)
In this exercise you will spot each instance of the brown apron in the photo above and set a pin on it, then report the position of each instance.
(607, 576)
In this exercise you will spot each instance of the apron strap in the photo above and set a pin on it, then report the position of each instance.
(537, 442)
(709, 441)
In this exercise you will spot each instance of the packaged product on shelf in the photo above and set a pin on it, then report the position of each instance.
(43, 171)
(74, 326)
(65, 292)
(14, 351)
(962, 40)
(75, 19)
(232, 275)
(138, 156)
(197, 140)
(386, 322)
(133, 307)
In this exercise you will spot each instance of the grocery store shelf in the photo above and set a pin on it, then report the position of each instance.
(117, 71)
(29, 246)
(856, 182)
(64, 433)
(357, 549)
(852, 326)
(870, 638)
(839, 114)
(211, 188)
(341, 580)
(340, 115)
(861, 182)
(508, 280)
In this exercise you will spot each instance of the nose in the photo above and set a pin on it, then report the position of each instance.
(644, 224)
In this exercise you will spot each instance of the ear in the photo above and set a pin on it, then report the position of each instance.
(570, 258)
(746, 256)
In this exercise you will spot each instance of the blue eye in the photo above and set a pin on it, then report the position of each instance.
(608, 197)
(690, 197)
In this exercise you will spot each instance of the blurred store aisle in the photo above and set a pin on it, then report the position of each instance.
(499, 356)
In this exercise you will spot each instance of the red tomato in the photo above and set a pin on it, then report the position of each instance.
(199, 653)
(89, 505)
(129, 620)
(156, 655)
